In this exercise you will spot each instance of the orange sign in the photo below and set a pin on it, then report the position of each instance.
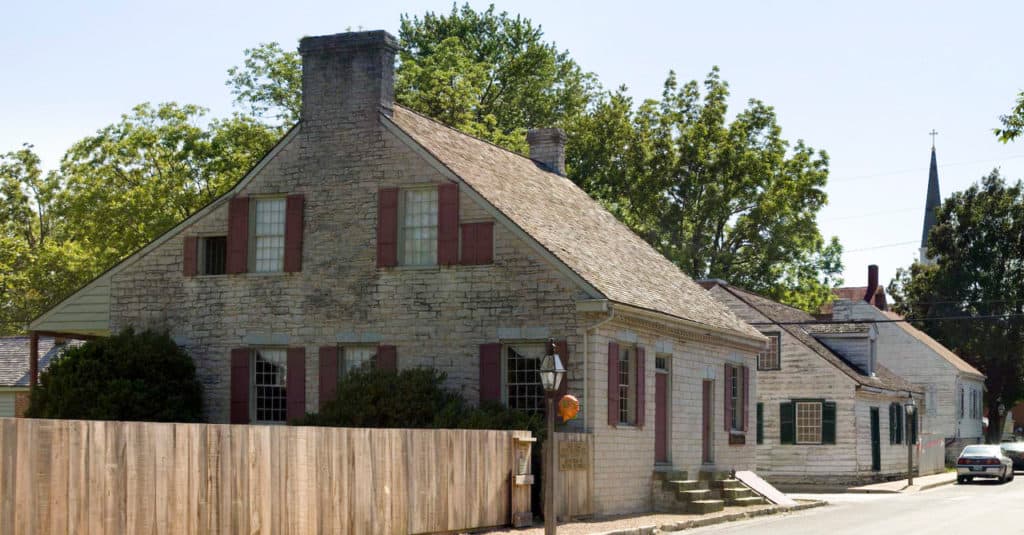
(568, 407)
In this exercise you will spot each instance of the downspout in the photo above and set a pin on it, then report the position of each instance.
(586, 363)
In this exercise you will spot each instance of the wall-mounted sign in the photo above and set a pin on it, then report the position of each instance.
(572, 455)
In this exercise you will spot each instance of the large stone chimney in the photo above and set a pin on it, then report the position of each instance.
(547, 147)
(347, 78)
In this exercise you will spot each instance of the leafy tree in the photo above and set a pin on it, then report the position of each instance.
(1013, 122)
(269, 83)
(731, 200)
(137, 178)
(130, 376)
(38, 264)
(486, 73)
(972, 298)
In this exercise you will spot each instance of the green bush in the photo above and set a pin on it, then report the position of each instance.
(131, 376)
(412, 398)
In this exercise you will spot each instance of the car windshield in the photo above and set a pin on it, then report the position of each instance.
(980, 450)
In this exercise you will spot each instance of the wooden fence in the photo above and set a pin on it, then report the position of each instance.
(62, 476)
(575, 484)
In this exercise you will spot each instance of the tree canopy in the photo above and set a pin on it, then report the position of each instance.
(1013, 122)
(972, 298)
(722, 199)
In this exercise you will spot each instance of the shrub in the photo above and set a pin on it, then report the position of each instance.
(131, 376)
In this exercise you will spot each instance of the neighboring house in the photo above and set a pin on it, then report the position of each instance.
(372, 233)
(955, 389)
(14, 369)
(827, 413)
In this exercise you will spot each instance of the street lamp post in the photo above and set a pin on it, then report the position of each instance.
(910, 408)
(551, 373)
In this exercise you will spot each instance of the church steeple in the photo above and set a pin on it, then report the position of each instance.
(932, 203)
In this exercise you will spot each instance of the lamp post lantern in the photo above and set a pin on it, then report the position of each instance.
(910, 409)
(551, 374)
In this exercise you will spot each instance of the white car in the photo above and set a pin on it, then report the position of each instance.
(983, 461)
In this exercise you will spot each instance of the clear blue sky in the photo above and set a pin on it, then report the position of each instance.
(865, 81)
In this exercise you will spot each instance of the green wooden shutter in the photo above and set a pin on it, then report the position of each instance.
(913, 428)
(898, 410)
(787, 423)
(892, 424)
(760, 423)
(828, 422)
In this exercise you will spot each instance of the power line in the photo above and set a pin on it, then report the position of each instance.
(903, 320)
(880, 246)
(872, 214)
(916, 169)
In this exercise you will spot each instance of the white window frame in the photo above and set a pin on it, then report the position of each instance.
(774, 342)
(426, 255)
(351, 356)
(254, 385)
(627, 385)
(274, 263)
(815, 410)
(536, 347)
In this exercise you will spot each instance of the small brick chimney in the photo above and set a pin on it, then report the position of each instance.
(547, 147)
(869, 296)
(347, 78)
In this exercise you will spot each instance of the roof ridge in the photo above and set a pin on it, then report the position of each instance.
(491, 143)
(728, 286)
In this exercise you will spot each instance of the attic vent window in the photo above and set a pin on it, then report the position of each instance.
(213, 251)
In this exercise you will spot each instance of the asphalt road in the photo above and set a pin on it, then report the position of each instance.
(980, 507)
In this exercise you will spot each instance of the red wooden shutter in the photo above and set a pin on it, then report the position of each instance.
(328, 373)
(490, 372)
(477, 243)
(745, 406)
(387, 358)
(727, 398)
(613, 383)
(240, 386)
(485, 243)
(562, 348)
(189, 264)
(296, 382)
(238, 235)
(448, 224)
(293, 233)
(641, 387)
(387, 227)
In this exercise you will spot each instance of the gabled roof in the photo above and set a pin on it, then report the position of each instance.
(570, 225)
(933, 344)
(14, 356)
(853, 293)
(785, 314)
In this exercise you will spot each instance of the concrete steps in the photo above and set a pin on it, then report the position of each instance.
(703, 507)
(712, 490)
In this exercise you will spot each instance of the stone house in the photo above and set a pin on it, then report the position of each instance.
(372, 233)
(954, 390)
(827, 412)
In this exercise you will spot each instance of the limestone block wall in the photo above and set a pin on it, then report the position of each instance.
(436, 316)
(624, 455)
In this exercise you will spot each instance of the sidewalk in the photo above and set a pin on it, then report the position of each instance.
(900, 485)
(658, 522)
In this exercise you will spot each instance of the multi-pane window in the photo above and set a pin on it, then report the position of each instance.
(353, 357)
(808, 422)
(523, 389)
(769, 358)
(268, 239)
(419, 227)
(735, 399)
(269, 380)
(213, 254)
(627, 382)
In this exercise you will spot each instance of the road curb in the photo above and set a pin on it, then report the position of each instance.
(927, 486)
(701, 522)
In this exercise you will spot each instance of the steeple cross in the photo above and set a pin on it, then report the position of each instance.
(933, 133)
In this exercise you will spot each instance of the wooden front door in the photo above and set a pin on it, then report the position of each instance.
(660, 416)
(876, 441)
(707, 426)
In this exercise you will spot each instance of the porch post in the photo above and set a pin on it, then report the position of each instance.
(33, 359)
